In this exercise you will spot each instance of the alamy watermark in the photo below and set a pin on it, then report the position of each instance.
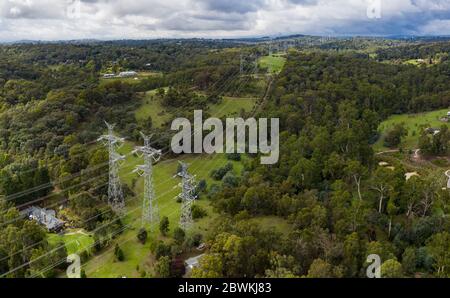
(74, 269)
(236, 132)
(374, 9)
(374, 269)
(73, 9)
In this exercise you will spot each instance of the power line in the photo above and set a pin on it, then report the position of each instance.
(241, 64)
(115, 193)
(150, 213)
(187, 197)
(189, 185)
(68, 178)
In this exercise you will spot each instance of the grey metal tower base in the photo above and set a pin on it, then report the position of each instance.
(150, 212)
(187, 197)
(115, 193)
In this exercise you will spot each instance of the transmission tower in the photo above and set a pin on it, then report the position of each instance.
(187, 196)
(115, 194)
(256, 65)
(150, 213)
(241, 65)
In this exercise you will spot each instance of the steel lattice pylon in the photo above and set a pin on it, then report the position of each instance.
(115, 193)
(187, 196)
(150, 213)
(241, 64)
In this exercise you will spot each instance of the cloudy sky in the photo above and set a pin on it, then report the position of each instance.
(135, 19)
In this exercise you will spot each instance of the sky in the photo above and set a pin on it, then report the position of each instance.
(148, 19)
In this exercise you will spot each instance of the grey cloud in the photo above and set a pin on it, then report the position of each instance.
(234, 6)
(431, 4)
(203, 22)
(304, 2)
(120, 18)
(402, 24)
(20, 9)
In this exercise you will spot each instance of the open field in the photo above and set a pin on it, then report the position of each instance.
(232, 106)
(413, 123)
(151, 107)
(274, 63)
(76, 241)
(279, 224)
(131, 80)
(138, 257)
(137, 254)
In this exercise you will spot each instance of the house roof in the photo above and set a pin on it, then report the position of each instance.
(44, 217)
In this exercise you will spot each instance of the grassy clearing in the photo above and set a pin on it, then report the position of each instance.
(232, 106)
(423, 62)
(151, 107)
(130, 80)
(279, 224)
(76, 241)
(273, 63)
(136, 254)
(413, 123)
(414, 62)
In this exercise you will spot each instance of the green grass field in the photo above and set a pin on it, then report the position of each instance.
(136, 254)
(413, 123)
(152, 107)
(232, 106)
(131, 80)
(280, 225)
(423, 62)
(166, 190)
(274, 63)
(76, 241)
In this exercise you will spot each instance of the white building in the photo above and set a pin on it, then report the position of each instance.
(127, 74)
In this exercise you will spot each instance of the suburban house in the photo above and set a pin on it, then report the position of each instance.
(44, 217)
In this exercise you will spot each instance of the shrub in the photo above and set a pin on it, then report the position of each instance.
(163, 267)
(162, 250)
(118, 253)
(218, 174)
(198, 212)
(142, 235)
(164, 225)
(234, 156)
(230, 180)
(394, 137)
(179, 235)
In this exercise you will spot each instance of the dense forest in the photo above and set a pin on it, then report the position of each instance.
(328, 185)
